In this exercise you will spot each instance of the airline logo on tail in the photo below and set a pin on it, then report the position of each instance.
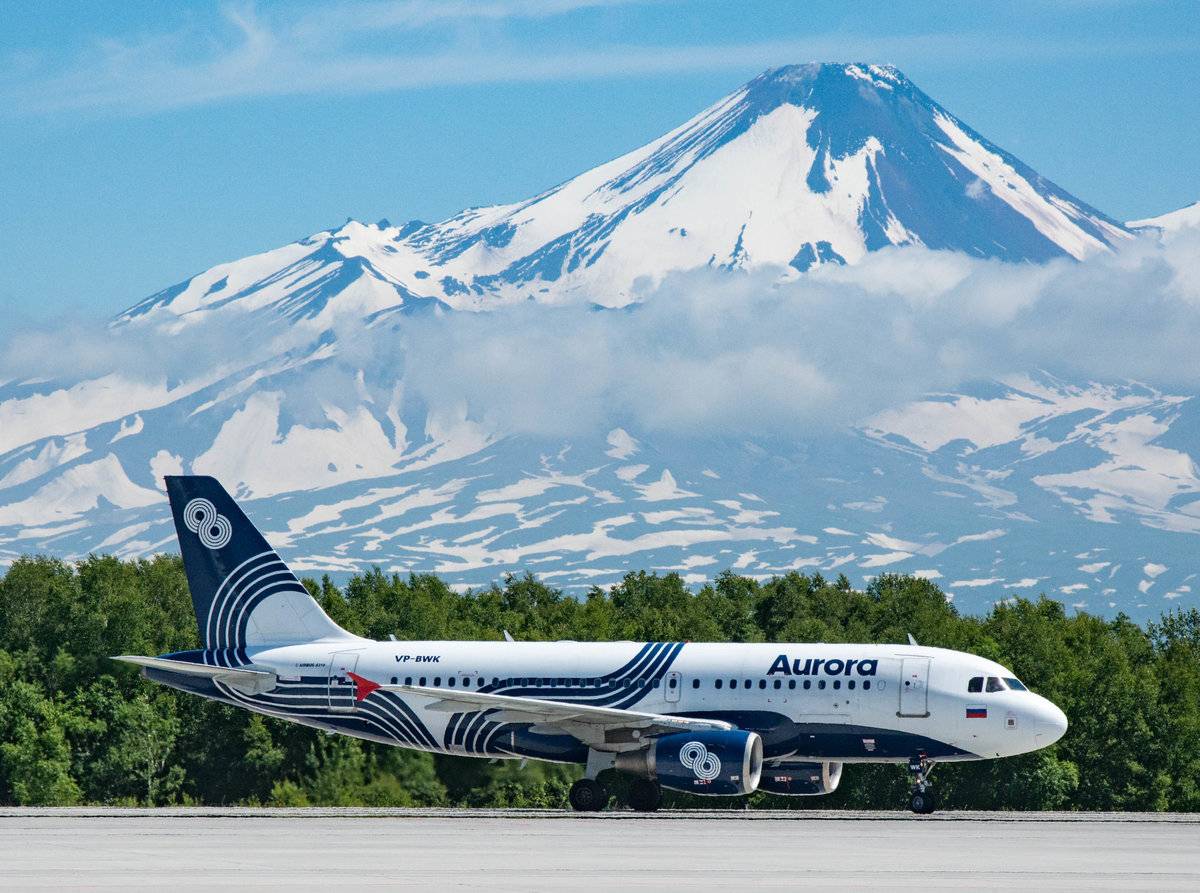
(202, 518)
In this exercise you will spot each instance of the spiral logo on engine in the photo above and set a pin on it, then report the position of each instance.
(696, 757)
(201, 517)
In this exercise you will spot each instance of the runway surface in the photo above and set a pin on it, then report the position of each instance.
(330, 849)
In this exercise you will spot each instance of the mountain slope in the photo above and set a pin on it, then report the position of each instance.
(284, 374)
(804, 165)
(1188, 215)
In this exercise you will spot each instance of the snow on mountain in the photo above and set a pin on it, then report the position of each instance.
(1007, 488)
(1171, 221)
(803, 166)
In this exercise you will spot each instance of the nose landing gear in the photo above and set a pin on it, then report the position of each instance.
(922, 800)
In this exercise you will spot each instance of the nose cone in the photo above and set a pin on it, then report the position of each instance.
(1049, 723)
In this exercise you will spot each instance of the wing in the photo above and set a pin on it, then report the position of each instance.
(604, 728)
(241, 678)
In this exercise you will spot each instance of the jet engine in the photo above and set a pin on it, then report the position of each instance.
(712, 763)
(800, 779)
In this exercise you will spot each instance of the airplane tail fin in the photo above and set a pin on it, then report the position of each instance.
(243, 593)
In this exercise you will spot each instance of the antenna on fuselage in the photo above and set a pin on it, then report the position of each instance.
(912, 641)
(508, 637)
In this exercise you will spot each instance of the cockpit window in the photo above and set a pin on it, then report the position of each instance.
(1015, 684)
(976, 684)
(994, 684)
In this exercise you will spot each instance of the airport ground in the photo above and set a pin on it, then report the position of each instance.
(345, 849)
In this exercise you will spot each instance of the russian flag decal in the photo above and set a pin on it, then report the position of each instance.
(976, 713)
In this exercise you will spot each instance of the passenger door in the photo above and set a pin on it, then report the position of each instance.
(341, 686)
(674, 684)
(914, 688)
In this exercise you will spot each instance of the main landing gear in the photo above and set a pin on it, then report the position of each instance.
(588, 795)
(645, 795)
(922, 800)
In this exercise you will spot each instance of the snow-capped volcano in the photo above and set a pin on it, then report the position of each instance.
(285, 374)
(804, 165)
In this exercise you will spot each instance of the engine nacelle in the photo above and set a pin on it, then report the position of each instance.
(712, 763)
(801, 779)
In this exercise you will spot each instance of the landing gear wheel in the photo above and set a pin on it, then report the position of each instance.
(588, 795)
(922, 802)
(644, 795)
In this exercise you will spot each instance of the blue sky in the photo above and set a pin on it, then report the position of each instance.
(143, 142)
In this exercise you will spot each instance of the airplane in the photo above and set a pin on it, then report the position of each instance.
(715, 719)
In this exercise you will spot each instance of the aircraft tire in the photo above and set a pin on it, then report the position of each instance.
(644, 795)
(588, 795)
(922, 802)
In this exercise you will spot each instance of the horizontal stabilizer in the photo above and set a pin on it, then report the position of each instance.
(244, 679)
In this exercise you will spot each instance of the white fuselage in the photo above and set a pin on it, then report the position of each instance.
(852, 703)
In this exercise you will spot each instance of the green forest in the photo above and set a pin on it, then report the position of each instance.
(79, 728)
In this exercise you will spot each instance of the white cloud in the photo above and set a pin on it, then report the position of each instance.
(707, 354)
(883, 559)
(1024, 583)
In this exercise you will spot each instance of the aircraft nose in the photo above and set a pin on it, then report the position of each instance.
(1050, 723)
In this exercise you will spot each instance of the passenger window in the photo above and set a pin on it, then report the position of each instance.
(792, 683)
(695, 683)
(976, 684)
(866, 683)
(821, 684)
(733, 683)
(717, 684)
(437, 681)
(994, 684)
(422, 680)
(778, 683)
(837, 683)
(562, 681)
(393, 680)
(807, 684)
(450, 682)
(671, 682)
(408, 680)
(850, 684)
(762, 683)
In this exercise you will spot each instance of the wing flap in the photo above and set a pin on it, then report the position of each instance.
(598, 726)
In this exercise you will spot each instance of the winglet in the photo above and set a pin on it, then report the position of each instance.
(363, 686)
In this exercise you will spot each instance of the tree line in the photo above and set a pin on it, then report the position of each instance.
(79, 728)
